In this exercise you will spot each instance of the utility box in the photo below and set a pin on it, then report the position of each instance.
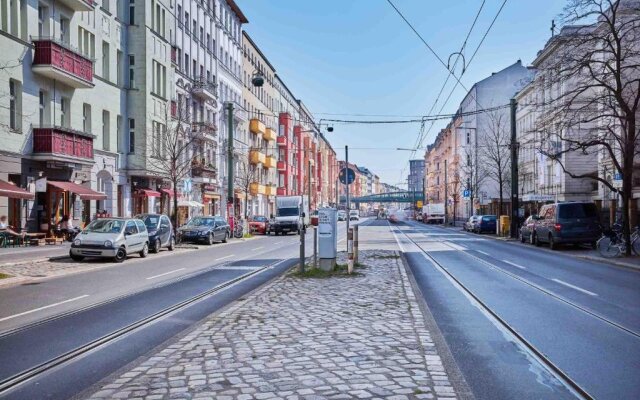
(327, 237)
(504, 225)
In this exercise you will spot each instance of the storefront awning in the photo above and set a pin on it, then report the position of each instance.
(147, 192)
(211, 195)
(10, 190)
(189, 203)
(168, 192)
(84, 192)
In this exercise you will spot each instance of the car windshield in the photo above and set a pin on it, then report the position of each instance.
(288, 212)
(199, 221)
(151, 221)
(353, 212)
(260, 219)
(105, 226)
(578, 210)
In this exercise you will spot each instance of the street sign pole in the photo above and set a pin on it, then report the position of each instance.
(346, 172)
(515, 204)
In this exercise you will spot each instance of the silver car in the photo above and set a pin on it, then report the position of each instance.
(111, 237)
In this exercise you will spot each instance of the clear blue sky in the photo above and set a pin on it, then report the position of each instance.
(359, 57)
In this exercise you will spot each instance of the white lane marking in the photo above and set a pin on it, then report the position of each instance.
(486, 254)
(257, 248)
(237, 268)
(277, 242)
(574, 287)
(166, 273)
(514, 264)
(43, 308)
(222, 258)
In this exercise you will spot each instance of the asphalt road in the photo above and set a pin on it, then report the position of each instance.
(38, 323)
(583, 316)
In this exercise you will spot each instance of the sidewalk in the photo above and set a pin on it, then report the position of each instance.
(31, 253)
(339, 337)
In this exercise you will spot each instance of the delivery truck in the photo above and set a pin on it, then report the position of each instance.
(433, 213)
(292, 215)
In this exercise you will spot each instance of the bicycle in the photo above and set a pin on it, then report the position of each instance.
(612, 243)
(238, 229)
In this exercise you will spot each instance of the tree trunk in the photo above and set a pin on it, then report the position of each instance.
(501, 200)
(627, 180)
(175, 204)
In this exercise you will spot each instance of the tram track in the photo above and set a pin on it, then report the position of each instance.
(518, 338)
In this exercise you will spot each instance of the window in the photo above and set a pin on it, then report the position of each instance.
(64, 112)
(119, 133)
(105, 60)
(131, 228)
(106, 137)
(132, 63)
(132, 135)
(41, 108)
(86, 117)
(43, 25)
(105, 5)
(186, 64)
(119, 68)
(186, 21)
(64, 30)
(15, 104)
(132, 12)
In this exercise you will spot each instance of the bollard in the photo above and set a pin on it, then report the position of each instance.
(355, 244)
(315, 247)
(302, 255)
(350, 251)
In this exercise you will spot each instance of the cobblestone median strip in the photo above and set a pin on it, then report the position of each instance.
(302, 338)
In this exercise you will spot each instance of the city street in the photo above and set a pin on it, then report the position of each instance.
(148, 300)
(502, 308)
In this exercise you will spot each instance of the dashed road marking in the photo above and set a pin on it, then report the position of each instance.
(514, 264)
(574, 287)
(166, 273)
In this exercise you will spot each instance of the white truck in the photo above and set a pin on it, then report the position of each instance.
(292, 213)
(433, 213)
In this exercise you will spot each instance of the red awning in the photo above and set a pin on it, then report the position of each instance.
(84, 192)
(168, 192)
(10, 190)
(147, 192)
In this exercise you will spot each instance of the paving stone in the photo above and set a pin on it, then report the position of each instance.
(298, 339)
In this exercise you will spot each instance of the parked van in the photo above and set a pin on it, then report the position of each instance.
(570, 223)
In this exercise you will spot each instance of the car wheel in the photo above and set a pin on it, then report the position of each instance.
(121, 255)
(552, 243)
(76, 257)
(226, 236)
(156, 246)
(172, 244)
(145, 250)
(210, 239)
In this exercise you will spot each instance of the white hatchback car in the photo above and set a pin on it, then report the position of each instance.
(354, 215)
(111, 237)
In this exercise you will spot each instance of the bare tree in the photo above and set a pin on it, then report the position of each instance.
(495, 153)
(595, 89)
(246, 174)
(173, 149)
(454, 187)
(472, 173)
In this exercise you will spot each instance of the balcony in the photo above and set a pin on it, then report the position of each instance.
(63, 144)
(281, 191)
(256, 126)
(58, 61)
(270, 162)
(256, 188)
(204, 89)
(269, 135)
(204, 129)
(282, 141)
(256, 157)
(203, 172)
(281, 166)
(79, 5)
(270, 190)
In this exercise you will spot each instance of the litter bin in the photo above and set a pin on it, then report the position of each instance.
(504, 225)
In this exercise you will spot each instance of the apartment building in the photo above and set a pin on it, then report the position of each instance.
(263, 155)
(287, 142)
(327, 173)
(64, 118)
(416, 176)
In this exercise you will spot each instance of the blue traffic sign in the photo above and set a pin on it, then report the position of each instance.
(466, 193)
(347, 176)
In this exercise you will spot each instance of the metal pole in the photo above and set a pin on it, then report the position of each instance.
(309, 167)
(515, 203)
(346, 166)
(230, 157)
(355, 243)
(315, 247)
(446, 194)
(301, 234)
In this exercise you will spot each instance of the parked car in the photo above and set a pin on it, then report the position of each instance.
(342, 215)
(354, 215)
(205, 229)
(111, 237)
(568, 223)
(470, 224)
(160, 231)
(259, 224)
(527, 229)
(486, 223)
